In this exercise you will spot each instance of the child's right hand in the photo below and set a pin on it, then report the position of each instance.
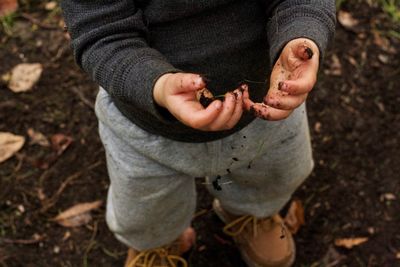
(177, 93)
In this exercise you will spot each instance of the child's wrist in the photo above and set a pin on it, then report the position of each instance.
(159, 88)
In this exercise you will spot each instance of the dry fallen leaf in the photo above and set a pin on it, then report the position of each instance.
(50, 5)
(37, 138)
(387, 197)
(350, 242)
(295, 216)
(60, 143)
(9, 145)
(77, 215)
(7, 7)
(317, 127)
(24, 76)
(352, 61)
(384, 58)
(77, 220)
(347, 20)
(383, 43)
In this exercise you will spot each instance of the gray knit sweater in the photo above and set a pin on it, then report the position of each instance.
(125, 45)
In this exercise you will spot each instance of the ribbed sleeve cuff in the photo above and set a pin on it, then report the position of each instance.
(139, 88)
(312, 22)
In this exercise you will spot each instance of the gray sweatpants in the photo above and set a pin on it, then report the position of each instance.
(152, 196)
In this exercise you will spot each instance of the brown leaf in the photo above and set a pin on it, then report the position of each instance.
(295, 216)
(50, 5)
(350, 242)
(24, 76)
(387, 197)
(37, 138)
(9, 145)
(60, 143)
(77, 215)
(383, 43)
(7, 7)
(347, 20)
(384, 58)
(75, 221)
(317, 127)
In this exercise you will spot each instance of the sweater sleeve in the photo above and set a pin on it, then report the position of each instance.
(109, 43)
(291, 19)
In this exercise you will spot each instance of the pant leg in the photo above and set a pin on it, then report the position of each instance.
(148, 204)
(152, 195)
(261, 182)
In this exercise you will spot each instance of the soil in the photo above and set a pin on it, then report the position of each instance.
(354, 190)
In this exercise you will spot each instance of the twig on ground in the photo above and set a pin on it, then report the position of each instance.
(60, 53)
(91, 245)
(34, 240)
(8, 104)
(82, 97)
(50, 202)
(37, 22)
(20, 158)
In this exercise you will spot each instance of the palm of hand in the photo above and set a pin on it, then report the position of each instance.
(292, 78)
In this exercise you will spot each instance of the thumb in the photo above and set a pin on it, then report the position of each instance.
(200, 118)
(185, 82)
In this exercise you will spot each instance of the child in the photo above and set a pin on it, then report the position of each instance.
(150, 59)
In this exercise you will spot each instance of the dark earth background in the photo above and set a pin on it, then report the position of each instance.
(354, 190)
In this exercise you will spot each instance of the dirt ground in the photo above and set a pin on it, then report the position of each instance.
(354, 190)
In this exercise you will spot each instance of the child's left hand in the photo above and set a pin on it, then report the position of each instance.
(292, 78)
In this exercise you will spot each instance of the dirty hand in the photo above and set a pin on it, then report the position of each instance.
(292, 78)
(177, 93)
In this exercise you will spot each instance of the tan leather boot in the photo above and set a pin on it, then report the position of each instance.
(262, 242)
(166, 256)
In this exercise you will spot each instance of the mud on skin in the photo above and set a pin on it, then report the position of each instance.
(259, 110)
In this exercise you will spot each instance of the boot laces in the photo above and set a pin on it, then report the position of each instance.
(158, 257)
(237, 226)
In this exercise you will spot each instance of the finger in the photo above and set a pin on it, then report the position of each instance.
(302, 85)
(220, 123)
(285, 102)
(265, 112)
(184, 82)
(237, 113)
(197, 117)
(247, 103)
(278, 114)
(304, 51)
